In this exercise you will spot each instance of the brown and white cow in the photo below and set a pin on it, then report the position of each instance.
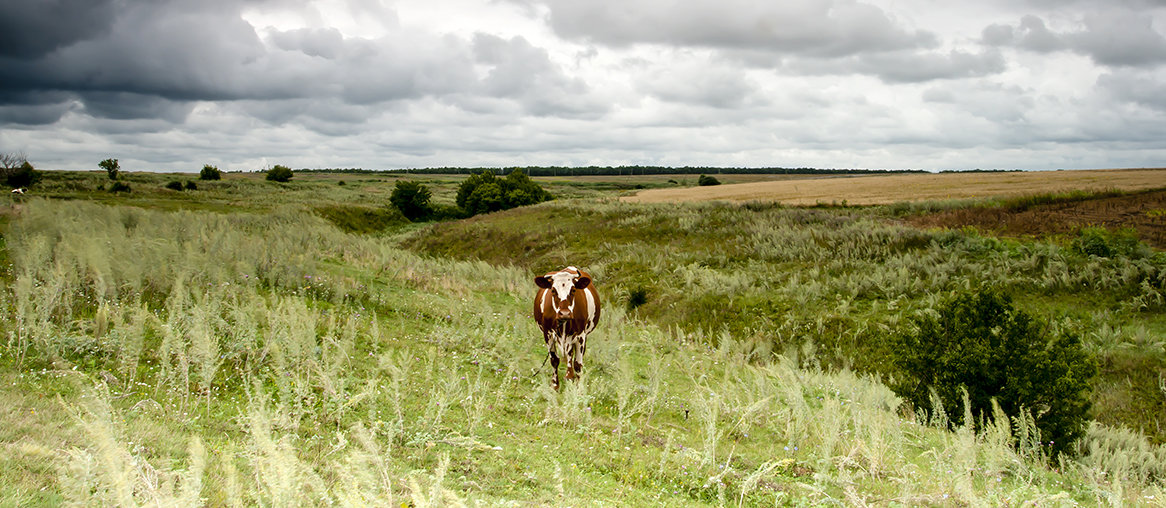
(566, 308)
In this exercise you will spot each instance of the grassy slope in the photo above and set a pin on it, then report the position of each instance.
(841, 279)
(298, 364)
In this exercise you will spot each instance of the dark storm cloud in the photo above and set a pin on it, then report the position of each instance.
(34, 28)
(1115, 38)
(156, 59)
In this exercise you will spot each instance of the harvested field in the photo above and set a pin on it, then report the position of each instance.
(886, 189)
(1143, 211)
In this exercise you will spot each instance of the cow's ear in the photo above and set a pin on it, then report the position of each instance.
(543, 281)
(582, 282)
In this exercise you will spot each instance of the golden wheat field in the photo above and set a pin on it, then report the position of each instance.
(893, 188)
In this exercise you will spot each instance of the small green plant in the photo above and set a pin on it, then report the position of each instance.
(1104, 243)
(190, 185)
(637, 297)
(210, 172)
(980, 343)
(119, 187)
(111, 167)
(279, 173)
(705, 180)
(412, 199)
(174, 185)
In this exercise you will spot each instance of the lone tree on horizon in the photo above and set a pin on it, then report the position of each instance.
(111, 167)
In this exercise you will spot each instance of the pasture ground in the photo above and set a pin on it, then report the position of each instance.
(253, 343)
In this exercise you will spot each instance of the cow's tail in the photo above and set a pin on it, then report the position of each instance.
(540, 367)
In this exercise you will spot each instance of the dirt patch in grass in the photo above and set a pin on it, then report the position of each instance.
(1143, 211)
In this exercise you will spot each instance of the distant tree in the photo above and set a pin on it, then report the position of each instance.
(16, 171)
(210, 172)
(279, 173)
(704, 180)
(412, 199)
(111, 167)
(484, 192)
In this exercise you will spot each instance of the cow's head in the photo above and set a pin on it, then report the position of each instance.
(563, 286)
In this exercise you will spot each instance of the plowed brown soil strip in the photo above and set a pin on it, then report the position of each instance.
(886, 189)
(1143, 211)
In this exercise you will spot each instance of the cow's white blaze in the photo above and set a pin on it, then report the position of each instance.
(561, 284)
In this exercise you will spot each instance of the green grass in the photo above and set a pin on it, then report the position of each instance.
(177, 353)
(842, 279)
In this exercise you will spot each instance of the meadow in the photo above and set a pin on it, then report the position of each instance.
(253, 343)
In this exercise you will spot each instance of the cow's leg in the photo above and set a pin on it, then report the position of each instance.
(571, 374)
(577, 358)
(555, 370)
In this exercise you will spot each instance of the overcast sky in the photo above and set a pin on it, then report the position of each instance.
(170, 85)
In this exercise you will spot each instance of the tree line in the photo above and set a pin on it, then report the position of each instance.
(617, 170)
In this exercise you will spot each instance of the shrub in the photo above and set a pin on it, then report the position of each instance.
(120, 187)
(484, 192)
(190, 185)
(707, 180)
(21, 176)
(174, 185)
(412, 199)
(1101, 242)
(979, 342)
(111, 167)
(279, 173)
(210, 172)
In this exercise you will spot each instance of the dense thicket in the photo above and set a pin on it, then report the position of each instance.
(279, 173)
(412, 199)
(22, 175)
(978, 342)
(484, 192)
(210, 172)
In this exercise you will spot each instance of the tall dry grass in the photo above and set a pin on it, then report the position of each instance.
(388, 378)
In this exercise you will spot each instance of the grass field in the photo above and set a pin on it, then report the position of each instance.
(888, 189)
(261, 344)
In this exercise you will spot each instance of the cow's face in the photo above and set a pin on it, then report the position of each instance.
(563, 287)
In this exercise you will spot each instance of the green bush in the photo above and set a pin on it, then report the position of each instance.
(1101, 242)
(210, 172)
(704, 180)
(979, 342)
(174, 185)
(120, 187)
(412, 199)
(484, 192)
(190, 185)
(279, 173)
